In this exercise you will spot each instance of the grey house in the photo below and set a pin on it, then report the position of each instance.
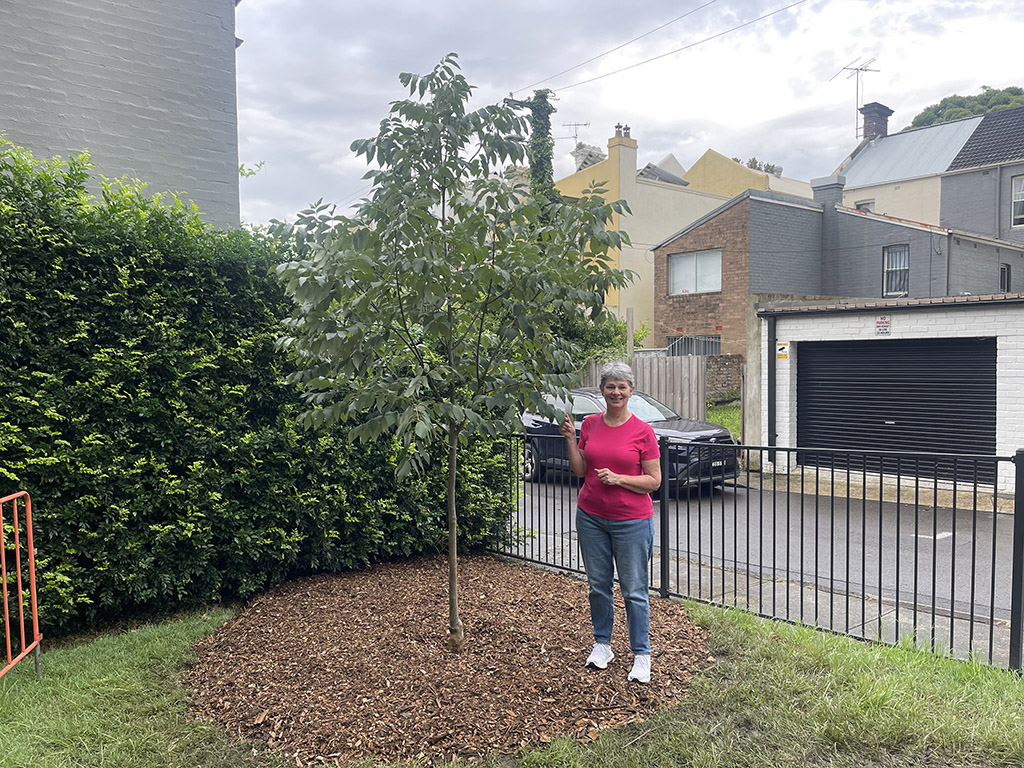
(965, 175)
(983, 188)
(148, 88)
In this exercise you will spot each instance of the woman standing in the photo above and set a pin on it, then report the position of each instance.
(617, 455)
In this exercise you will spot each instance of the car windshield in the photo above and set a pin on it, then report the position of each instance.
(642, 406)
(648, 409)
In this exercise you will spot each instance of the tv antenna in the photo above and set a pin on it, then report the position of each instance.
(576, 130)
(856, 70)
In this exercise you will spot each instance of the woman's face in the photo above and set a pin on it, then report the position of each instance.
(616, 393)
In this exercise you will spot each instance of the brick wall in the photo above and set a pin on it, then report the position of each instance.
(147, 87)
(785, 245)
(704, 314)
(724, 375)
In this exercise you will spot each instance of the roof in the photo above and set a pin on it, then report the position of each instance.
(911, 154)
(998, 139)
(656, 173)
(887, 305)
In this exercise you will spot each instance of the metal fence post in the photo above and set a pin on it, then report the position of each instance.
(1017, 589)
(664, 542)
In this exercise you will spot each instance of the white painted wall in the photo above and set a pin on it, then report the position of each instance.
(1005, 322)
(147, 87)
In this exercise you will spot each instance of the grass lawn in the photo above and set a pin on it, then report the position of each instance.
(728, 415)
(777, 695)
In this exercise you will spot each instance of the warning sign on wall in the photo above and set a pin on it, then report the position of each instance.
(782, 350)
(883, 325)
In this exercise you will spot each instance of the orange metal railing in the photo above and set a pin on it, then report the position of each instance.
(15, 643)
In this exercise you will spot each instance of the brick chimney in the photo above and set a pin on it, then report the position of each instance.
(876, 120)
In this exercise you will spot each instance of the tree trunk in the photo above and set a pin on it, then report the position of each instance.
(456, 633)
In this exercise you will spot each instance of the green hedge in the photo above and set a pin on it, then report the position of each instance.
(142, 405)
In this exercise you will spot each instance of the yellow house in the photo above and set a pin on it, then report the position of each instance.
(661, 202)
(714, 172)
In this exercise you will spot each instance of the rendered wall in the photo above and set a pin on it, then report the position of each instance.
(714, 172)
(913, 199)
(147, 87)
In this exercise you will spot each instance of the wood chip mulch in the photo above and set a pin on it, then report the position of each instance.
(341, 667)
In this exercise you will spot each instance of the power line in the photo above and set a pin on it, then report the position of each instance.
(616, 48)
(686, 47)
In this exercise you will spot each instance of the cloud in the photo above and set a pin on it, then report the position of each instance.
(314, 75)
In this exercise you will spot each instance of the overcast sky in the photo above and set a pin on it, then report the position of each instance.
(314, 75)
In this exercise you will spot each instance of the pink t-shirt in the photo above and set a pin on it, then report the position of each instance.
(620, 449)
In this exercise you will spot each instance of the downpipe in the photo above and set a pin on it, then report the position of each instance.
(1017, 588)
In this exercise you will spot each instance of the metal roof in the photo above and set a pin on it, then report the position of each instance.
(910, 154)
(657, 173)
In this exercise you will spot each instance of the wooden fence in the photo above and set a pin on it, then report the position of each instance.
(676, 381)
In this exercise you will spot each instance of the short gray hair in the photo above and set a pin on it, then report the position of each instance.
(617, 372)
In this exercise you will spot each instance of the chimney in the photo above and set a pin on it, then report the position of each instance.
(587, 155)
(876, 120)
(828, 190)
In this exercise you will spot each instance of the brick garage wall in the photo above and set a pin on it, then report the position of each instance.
(724, 375)
(705, 314)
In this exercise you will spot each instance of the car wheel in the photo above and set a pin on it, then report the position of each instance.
(532, 469)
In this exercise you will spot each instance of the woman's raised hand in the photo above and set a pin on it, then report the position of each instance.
(568, 428)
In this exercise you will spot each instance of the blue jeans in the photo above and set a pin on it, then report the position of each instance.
(625, 546)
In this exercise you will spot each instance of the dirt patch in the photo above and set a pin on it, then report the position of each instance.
(335, 668)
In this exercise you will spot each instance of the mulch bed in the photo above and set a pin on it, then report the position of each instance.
(335, 668)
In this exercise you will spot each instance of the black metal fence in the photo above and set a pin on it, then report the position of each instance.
(877, 545)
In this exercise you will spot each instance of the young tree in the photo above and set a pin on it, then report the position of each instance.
(429, 312)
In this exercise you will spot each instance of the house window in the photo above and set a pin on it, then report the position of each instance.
(1004, 278)
(1017, 213)
(865, 205)
(695, 272)
(677, 346)
(895, 271)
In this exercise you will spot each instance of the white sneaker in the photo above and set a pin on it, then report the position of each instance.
(600, 656)
(641, 671)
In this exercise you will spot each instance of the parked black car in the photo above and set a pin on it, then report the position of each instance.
(697, 452)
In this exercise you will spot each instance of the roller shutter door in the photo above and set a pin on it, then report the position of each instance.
(931, 395)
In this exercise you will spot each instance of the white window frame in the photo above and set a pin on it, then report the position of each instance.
(896, 271)
(1017, 201)
(691, 272)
